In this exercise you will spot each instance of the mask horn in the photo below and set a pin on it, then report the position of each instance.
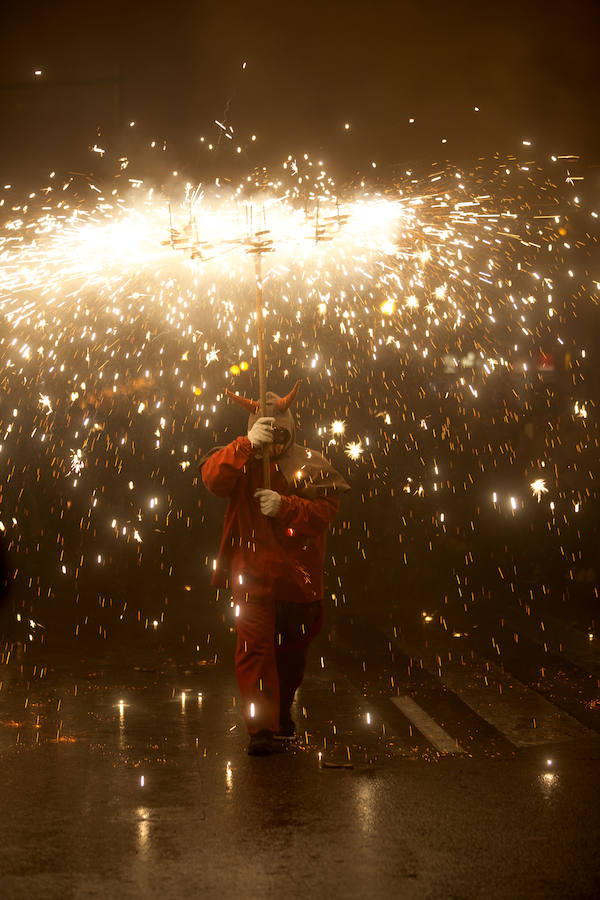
(285, 402)
(250, 405)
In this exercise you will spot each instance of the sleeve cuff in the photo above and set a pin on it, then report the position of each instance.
(243, 443)
(285, 508)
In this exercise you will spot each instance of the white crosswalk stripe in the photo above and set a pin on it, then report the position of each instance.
(518, 712)
(561, 638)
(428, 727)
(462, 702)
(521, 714)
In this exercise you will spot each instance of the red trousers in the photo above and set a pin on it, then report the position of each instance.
(273, 637)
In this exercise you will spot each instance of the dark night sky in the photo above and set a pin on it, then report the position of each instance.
(531, 67)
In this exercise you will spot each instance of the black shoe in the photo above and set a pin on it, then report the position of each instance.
(264, 744)
(286, 730)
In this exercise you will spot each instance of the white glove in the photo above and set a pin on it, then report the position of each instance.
(270, 501)
(262, 432)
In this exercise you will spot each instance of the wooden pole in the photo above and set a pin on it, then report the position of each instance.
(262, 377)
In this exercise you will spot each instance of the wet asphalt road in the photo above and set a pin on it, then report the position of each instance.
(124, 774)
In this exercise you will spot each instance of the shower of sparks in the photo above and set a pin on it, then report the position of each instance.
(45, 402)
(433, 313)
(354, 450)
(77, 462)
(538, 488)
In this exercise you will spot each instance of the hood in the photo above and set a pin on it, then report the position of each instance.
(307, 471)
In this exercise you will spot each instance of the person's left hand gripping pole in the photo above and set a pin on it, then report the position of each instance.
(269, 500)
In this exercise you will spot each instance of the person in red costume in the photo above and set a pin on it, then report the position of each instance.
(271, 557)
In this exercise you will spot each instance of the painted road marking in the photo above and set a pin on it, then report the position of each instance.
(562, 639)
(525, 717)
(428, 727)
(518, 712)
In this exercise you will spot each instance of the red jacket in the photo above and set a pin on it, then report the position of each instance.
(258, 550)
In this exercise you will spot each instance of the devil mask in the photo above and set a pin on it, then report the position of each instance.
(279, 409)
(310, 473)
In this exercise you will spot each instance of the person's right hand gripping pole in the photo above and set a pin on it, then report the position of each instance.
(261, 435)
